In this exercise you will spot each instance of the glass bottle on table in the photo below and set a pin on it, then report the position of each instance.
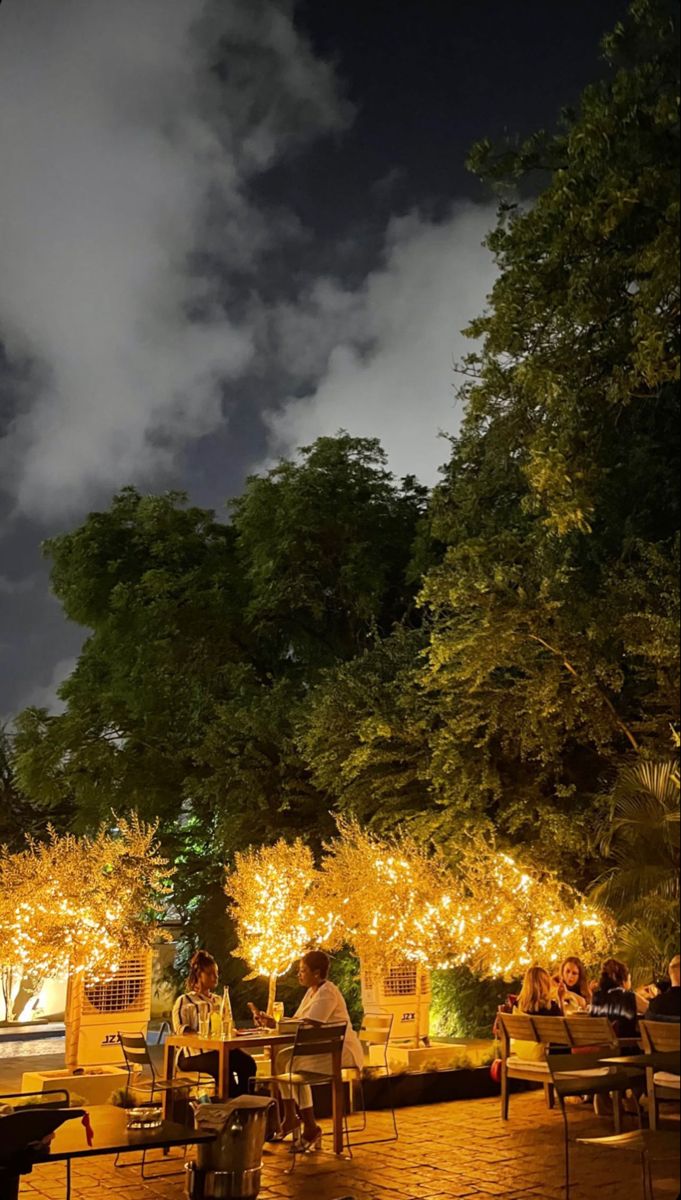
(226, 1017)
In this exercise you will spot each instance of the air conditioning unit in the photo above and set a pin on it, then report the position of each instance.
(405, 993)
(120, 1004)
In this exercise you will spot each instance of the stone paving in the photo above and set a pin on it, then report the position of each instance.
(445, 1152)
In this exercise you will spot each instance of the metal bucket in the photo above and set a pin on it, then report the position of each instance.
(231, 1165)
(222, 1185)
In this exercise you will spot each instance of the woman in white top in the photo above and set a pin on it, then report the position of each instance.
(323, 1004)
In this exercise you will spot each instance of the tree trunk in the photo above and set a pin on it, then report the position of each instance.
(72, 1017)
(272, 996)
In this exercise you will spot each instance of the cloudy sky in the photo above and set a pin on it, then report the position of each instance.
(229, 226)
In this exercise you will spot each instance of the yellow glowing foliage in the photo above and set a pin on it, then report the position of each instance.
(80, 906)
(396, 902)
(517, 917)
(276, 907)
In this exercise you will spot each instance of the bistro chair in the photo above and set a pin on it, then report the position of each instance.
(143, 1077)
(375, 1034)
(661, 1037)
(313, 1042)
(518, 1027)
(587, 1075)
(649, 1147)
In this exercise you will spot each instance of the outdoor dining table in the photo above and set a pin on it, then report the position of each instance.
(111, 1136)
(258, 1039)
(660, 1060)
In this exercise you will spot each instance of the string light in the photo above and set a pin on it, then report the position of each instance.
(277, 908)
(79, 907)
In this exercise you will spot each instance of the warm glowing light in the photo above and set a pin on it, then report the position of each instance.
(278, 909)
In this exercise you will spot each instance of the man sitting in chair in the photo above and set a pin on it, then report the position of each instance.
(667, 1006)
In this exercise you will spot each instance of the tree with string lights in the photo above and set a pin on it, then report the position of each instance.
(275, 903)
(80, 906)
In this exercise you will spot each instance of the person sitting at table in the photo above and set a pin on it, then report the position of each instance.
(322, 1004)
(577, 995)
(538, 998)
(667, 1005)
(200, 989)
(615, 999)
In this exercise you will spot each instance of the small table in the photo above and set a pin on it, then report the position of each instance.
(267, 1038)
(662, 1060)
(111, 1137)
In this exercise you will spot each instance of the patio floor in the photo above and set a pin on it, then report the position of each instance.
(445, 1151)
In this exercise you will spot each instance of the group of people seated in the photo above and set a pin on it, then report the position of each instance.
(322, 1004)
(569, 991)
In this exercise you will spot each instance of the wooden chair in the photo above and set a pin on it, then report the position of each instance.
(520, 1028)
(661, 1037)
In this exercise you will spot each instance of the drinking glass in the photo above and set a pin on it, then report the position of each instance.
(204, 1020)
(278, 1012)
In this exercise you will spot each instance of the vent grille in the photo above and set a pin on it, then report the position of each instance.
(126, 991)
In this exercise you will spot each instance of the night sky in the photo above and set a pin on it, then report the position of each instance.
(227, 228)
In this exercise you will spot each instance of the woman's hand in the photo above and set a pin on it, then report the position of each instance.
(261, 1019)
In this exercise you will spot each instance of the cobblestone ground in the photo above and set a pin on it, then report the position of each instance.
(454, 1150)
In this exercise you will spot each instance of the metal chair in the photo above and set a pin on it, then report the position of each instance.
(647, 1145)
(376, 1032)
(312, 1042)
(57, 1098)
(661, 1037)
(138, 1059)
(588, 1075)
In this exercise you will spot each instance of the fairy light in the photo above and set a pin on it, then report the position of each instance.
(275, 903)
(78, 907)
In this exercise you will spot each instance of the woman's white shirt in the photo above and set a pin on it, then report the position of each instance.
(327, 1006)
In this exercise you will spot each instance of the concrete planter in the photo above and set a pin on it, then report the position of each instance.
(94, 1086)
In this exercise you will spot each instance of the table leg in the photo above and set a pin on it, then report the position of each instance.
(168, 1073)
(9, 1186)
(223, 1072)
(338, 1103)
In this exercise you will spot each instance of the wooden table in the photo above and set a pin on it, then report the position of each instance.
(661, 1060)
(257, 1040)
(111, 1136)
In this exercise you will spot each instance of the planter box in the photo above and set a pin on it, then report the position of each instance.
(423, 1088)
(94, 1086)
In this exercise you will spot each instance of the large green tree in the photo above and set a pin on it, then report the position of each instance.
(552, 620)
(205, 637)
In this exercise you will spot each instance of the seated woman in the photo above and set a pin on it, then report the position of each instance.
(537, 999)
(573, 976)
(614, 999)
(200, 989)
(323, 1004)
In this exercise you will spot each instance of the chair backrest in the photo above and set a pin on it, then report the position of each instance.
(660, 1037)
(377, 1029)
(552, 1030)
(516, 1025)
(317, 1041)
(136, 1052)
(592, 1031)
(58, 1098)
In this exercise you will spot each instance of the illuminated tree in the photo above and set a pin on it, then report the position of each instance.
(276, 907)
(81, 906)
(515, 917)
(396, 902)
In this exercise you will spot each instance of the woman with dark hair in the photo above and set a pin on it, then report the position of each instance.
(322, 1004)
(615, 999)
(200, 989)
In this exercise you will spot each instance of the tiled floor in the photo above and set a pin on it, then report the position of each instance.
(444, 1152)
